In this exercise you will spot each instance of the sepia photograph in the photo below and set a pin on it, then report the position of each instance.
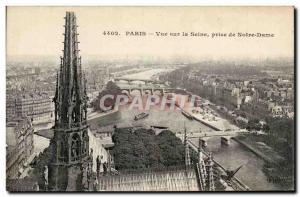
(150, 99)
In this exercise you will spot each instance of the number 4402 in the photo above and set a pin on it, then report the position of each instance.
(110, 33)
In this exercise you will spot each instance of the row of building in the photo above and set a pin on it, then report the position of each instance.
(23, 110)
(38, 107)
(19, 146)
(273, 95)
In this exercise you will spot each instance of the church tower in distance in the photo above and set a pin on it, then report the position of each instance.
(70, 164)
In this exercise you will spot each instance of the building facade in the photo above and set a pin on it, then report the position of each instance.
(19, 141)
(36, 106)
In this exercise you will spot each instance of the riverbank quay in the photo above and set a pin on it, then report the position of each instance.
(97, 114)
(276, 168)
(260, 149)
(219, 124)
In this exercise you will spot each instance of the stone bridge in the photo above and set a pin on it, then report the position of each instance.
(143, 88)
(223, 134)
(130, 80)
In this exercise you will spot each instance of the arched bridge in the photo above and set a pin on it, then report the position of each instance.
(225, 135)
(144, 88)
(130, 80)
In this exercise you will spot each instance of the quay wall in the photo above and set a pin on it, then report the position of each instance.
(207, 124)
(197, 119)
(255, 151)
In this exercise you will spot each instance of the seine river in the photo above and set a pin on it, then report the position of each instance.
(230, 157)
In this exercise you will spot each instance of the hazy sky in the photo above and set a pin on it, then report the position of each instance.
(38, 31)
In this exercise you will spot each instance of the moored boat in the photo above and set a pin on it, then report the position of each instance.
(141, 116)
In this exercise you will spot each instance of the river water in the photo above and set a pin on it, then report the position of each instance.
(230, 157)
(235, 155)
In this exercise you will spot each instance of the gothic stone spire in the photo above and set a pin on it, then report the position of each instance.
(70, 99)
(70, 161)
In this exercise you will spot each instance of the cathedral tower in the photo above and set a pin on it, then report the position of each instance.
(70, 165)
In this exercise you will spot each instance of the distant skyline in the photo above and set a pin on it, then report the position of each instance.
(37, 31)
